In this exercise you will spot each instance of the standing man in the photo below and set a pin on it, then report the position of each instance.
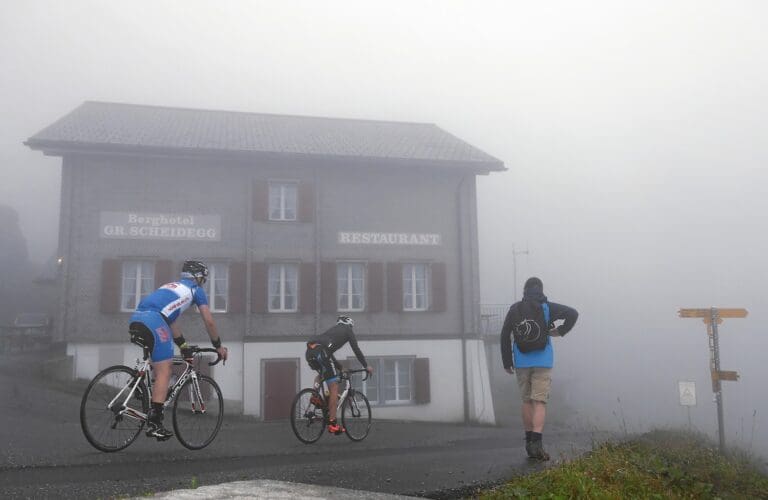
(532, 322)
(320, 357)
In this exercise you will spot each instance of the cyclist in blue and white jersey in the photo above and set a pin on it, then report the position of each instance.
(154, 322)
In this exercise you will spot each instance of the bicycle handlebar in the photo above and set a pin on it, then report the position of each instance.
(348, 372)
(200, 350)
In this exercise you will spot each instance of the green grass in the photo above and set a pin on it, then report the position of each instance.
(658, 465)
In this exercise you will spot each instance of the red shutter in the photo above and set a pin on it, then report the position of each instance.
(375, 287)
(307, 287)
(394, 287)
(437, 275)
(328, 299)
(421, 380)
(236, 292)
(306, 201)
(259, 287)
(260, 200)
(111, 285)
(163, 272)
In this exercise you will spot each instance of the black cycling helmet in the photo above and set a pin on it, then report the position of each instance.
(345, 320)
(195, 269)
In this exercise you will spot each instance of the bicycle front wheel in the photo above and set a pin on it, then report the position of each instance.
(197, 412)
(307, 418)
(110, 421)
(356, 416)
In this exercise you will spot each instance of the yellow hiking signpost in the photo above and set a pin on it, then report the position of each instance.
(712, 317)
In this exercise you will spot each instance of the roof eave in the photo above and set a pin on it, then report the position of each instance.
(62, 148)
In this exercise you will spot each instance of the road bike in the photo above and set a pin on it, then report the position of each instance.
(309, 412)
(115, 404)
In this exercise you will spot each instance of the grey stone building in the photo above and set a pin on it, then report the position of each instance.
(299, 218)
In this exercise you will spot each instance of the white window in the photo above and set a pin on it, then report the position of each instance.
(415, 286)
(394, 383)
(282, 201)
(138, 282)
(350, 286)
(396, 380)
(217, 287)
(283, 287)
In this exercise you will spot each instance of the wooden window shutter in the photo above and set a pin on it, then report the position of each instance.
(259, 287)
(306, 202)
(260, 200)
(421, 380)
(375, 287)
(307, 287)
(236, 292)
(163, 272)
(394, 287)
(111, 285)
(328, 299)
(437, 276)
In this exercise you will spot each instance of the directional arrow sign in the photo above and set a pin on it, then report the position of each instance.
(706, 313)
(725, 375)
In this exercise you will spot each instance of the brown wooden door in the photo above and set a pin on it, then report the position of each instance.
(280, 387)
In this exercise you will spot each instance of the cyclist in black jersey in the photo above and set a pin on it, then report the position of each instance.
(320, 357)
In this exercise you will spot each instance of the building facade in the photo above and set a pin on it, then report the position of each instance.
(299, 219)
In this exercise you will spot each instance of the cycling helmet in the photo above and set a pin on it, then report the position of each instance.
(345, 320)
(195, 269)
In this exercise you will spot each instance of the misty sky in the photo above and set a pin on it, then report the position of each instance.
(634, 134)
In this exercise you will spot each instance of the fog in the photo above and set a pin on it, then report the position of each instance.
(634, 134)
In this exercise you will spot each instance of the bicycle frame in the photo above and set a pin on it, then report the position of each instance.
(343, 395)
(143, 369)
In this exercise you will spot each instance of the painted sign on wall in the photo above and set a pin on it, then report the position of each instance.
(372, 238)
(151, 226)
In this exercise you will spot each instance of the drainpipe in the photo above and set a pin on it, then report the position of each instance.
(316, 218)
(465, 383)
(248, 270)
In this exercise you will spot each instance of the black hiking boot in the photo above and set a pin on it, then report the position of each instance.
(536, 451)
(528, 449)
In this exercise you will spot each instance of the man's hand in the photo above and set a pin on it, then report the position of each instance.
(223, 352)
(369, 369)
(187, 352)
(509, 370)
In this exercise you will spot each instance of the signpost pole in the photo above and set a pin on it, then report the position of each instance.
(716, 384)
(712, 317)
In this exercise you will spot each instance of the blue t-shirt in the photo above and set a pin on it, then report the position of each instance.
(543, 358)
(174, 298)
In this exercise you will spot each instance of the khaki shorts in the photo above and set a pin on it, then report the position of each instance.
(534, 383)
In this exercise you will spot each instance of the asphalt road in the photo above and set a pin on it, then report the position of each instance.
(43, 453)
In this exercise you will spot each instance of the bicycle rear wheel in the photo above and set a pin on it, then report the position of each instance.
(356, 416)
(113, 428)
(307, 418)
(198, 411)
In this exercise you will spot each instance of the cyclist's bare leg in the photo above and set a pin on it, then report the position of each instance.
(162, 370)
(333, 398)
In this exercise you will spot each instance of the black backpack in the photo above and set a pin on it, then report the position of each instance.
(529, 326)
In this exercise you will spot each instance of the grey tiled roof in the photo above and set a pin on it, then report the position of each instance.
(104, 126)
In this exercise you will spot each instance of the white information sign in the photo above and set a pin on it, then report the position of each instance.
(155, 226)
(375, 238)
(687, 393)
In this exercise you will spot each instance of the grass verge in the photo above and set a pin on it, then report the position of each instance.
(657, 465)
